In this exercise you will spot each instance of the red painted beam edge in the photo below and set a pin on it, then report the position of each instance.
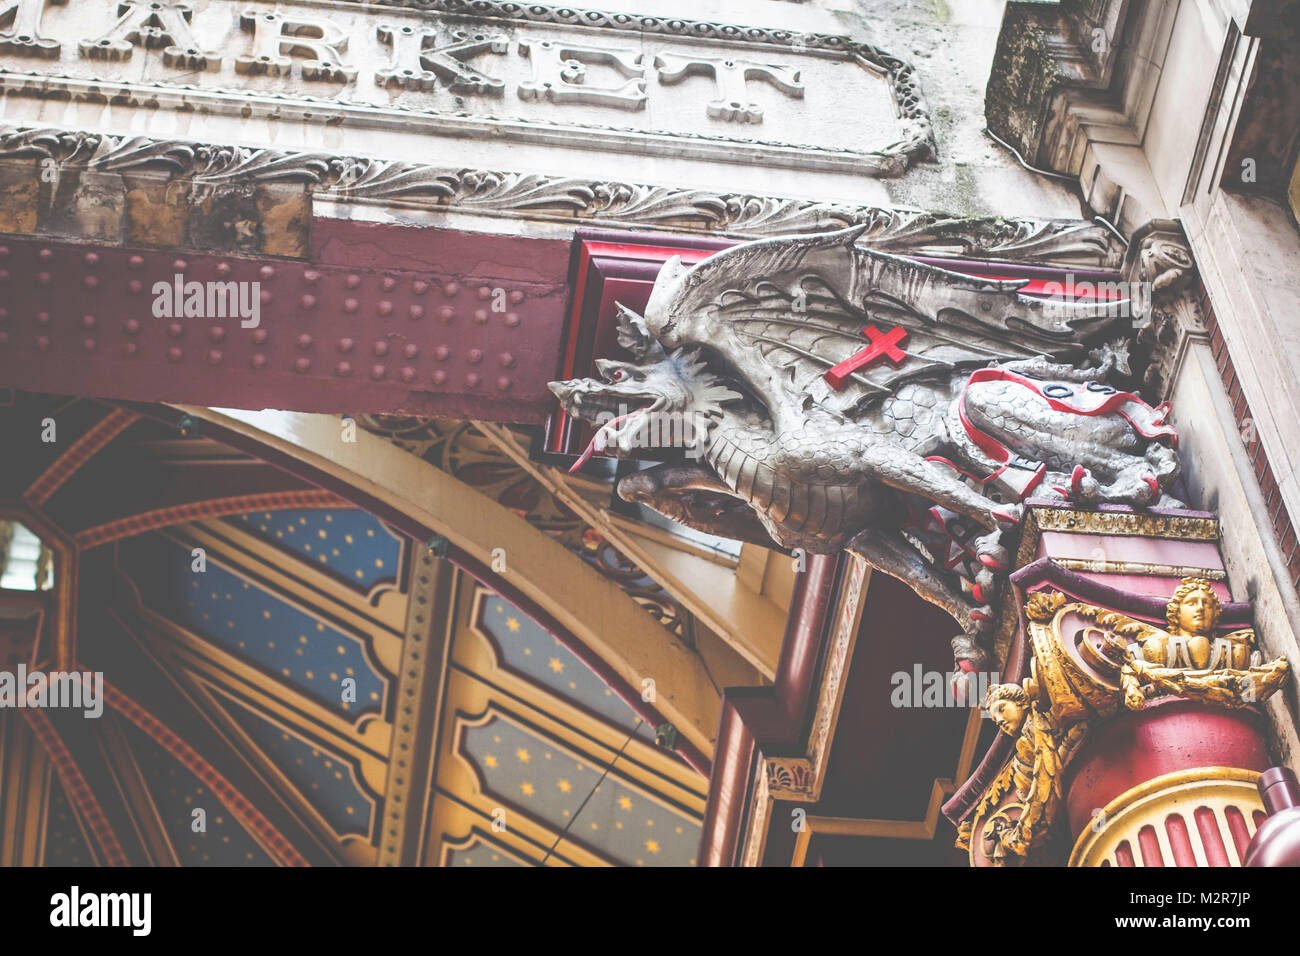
(419, 335)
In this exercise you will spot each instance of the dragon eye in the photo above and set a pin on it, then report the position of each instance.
(616, 375)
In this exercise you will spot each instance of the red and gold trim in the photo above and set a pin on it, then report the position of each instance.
(199, 510)
(76, 787)
(234, 801)
(1205, 816)
(82, 450)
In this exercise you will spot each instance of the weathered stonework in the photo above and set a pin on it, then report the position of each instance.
(221, 198)
(1046, 48)
(1169, 316)
(519, 74)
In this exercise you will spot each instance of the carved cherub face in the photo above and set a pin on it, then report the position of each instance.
(1194, 609)
(1007, 709)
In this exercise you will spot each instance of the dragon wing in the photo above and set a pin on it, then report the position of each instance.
(801, 304)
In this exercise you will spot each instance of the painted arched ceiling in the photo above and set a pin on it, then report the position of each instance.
(312, 653)
(289, 679)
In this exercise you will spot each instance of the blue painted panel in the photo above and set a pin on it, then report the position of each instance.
(327, 781)
(254, 624)
(550, 783)
(351, 543)
(526, 648)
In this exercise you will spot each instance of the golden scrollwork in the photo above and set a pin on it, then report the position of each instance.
(1010, 830)
(1182, 527)
(1189, 658)
(1082, 675)
(1043, 605)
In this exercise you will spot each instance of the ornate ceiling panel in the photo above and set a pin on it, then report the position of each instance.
(521, 768)
(354, 545)
(269, 630)
(323, 777)
(526, 648)
(294, 672)
(215, 838)
(539, 762)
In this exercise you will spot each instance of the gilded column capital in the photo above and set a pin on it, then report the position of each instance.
(1091, 665)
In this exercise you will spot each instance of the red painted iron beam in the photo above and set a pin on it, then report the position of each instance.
(380, 318)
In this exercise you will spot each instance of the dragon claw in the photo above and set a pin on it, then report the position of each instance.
(986, 586)
(967, 653)
(1008, 517)
(1083, 487)
(991, 552)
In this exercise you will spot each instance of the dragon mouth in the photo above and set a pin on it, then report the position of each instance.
(591, 404)
(610, 431)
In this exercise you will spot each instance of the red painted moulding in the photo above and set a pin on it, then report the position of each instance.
(382, 318)
(75, 786)
(1165, 736)
(772, 720)
(609, 268)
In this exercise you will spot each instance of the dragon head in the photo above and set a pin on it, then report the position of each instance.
(640, 403)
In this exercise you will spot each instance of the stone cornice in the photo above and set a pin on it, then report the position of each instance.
(1043, 51)
(213, 169)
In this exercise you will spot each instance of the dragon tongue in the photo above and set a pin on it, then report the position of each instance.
(601, 439)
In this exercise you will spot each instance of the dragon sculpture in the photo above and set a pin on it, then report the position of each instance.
(807, 426)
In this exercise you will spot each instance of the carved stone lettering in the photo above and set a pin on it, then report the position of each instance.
(489, 72)
(418, 63)
(731, 98)
(155, 26)
(23, 38)
(560, 75)
(277, 38)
